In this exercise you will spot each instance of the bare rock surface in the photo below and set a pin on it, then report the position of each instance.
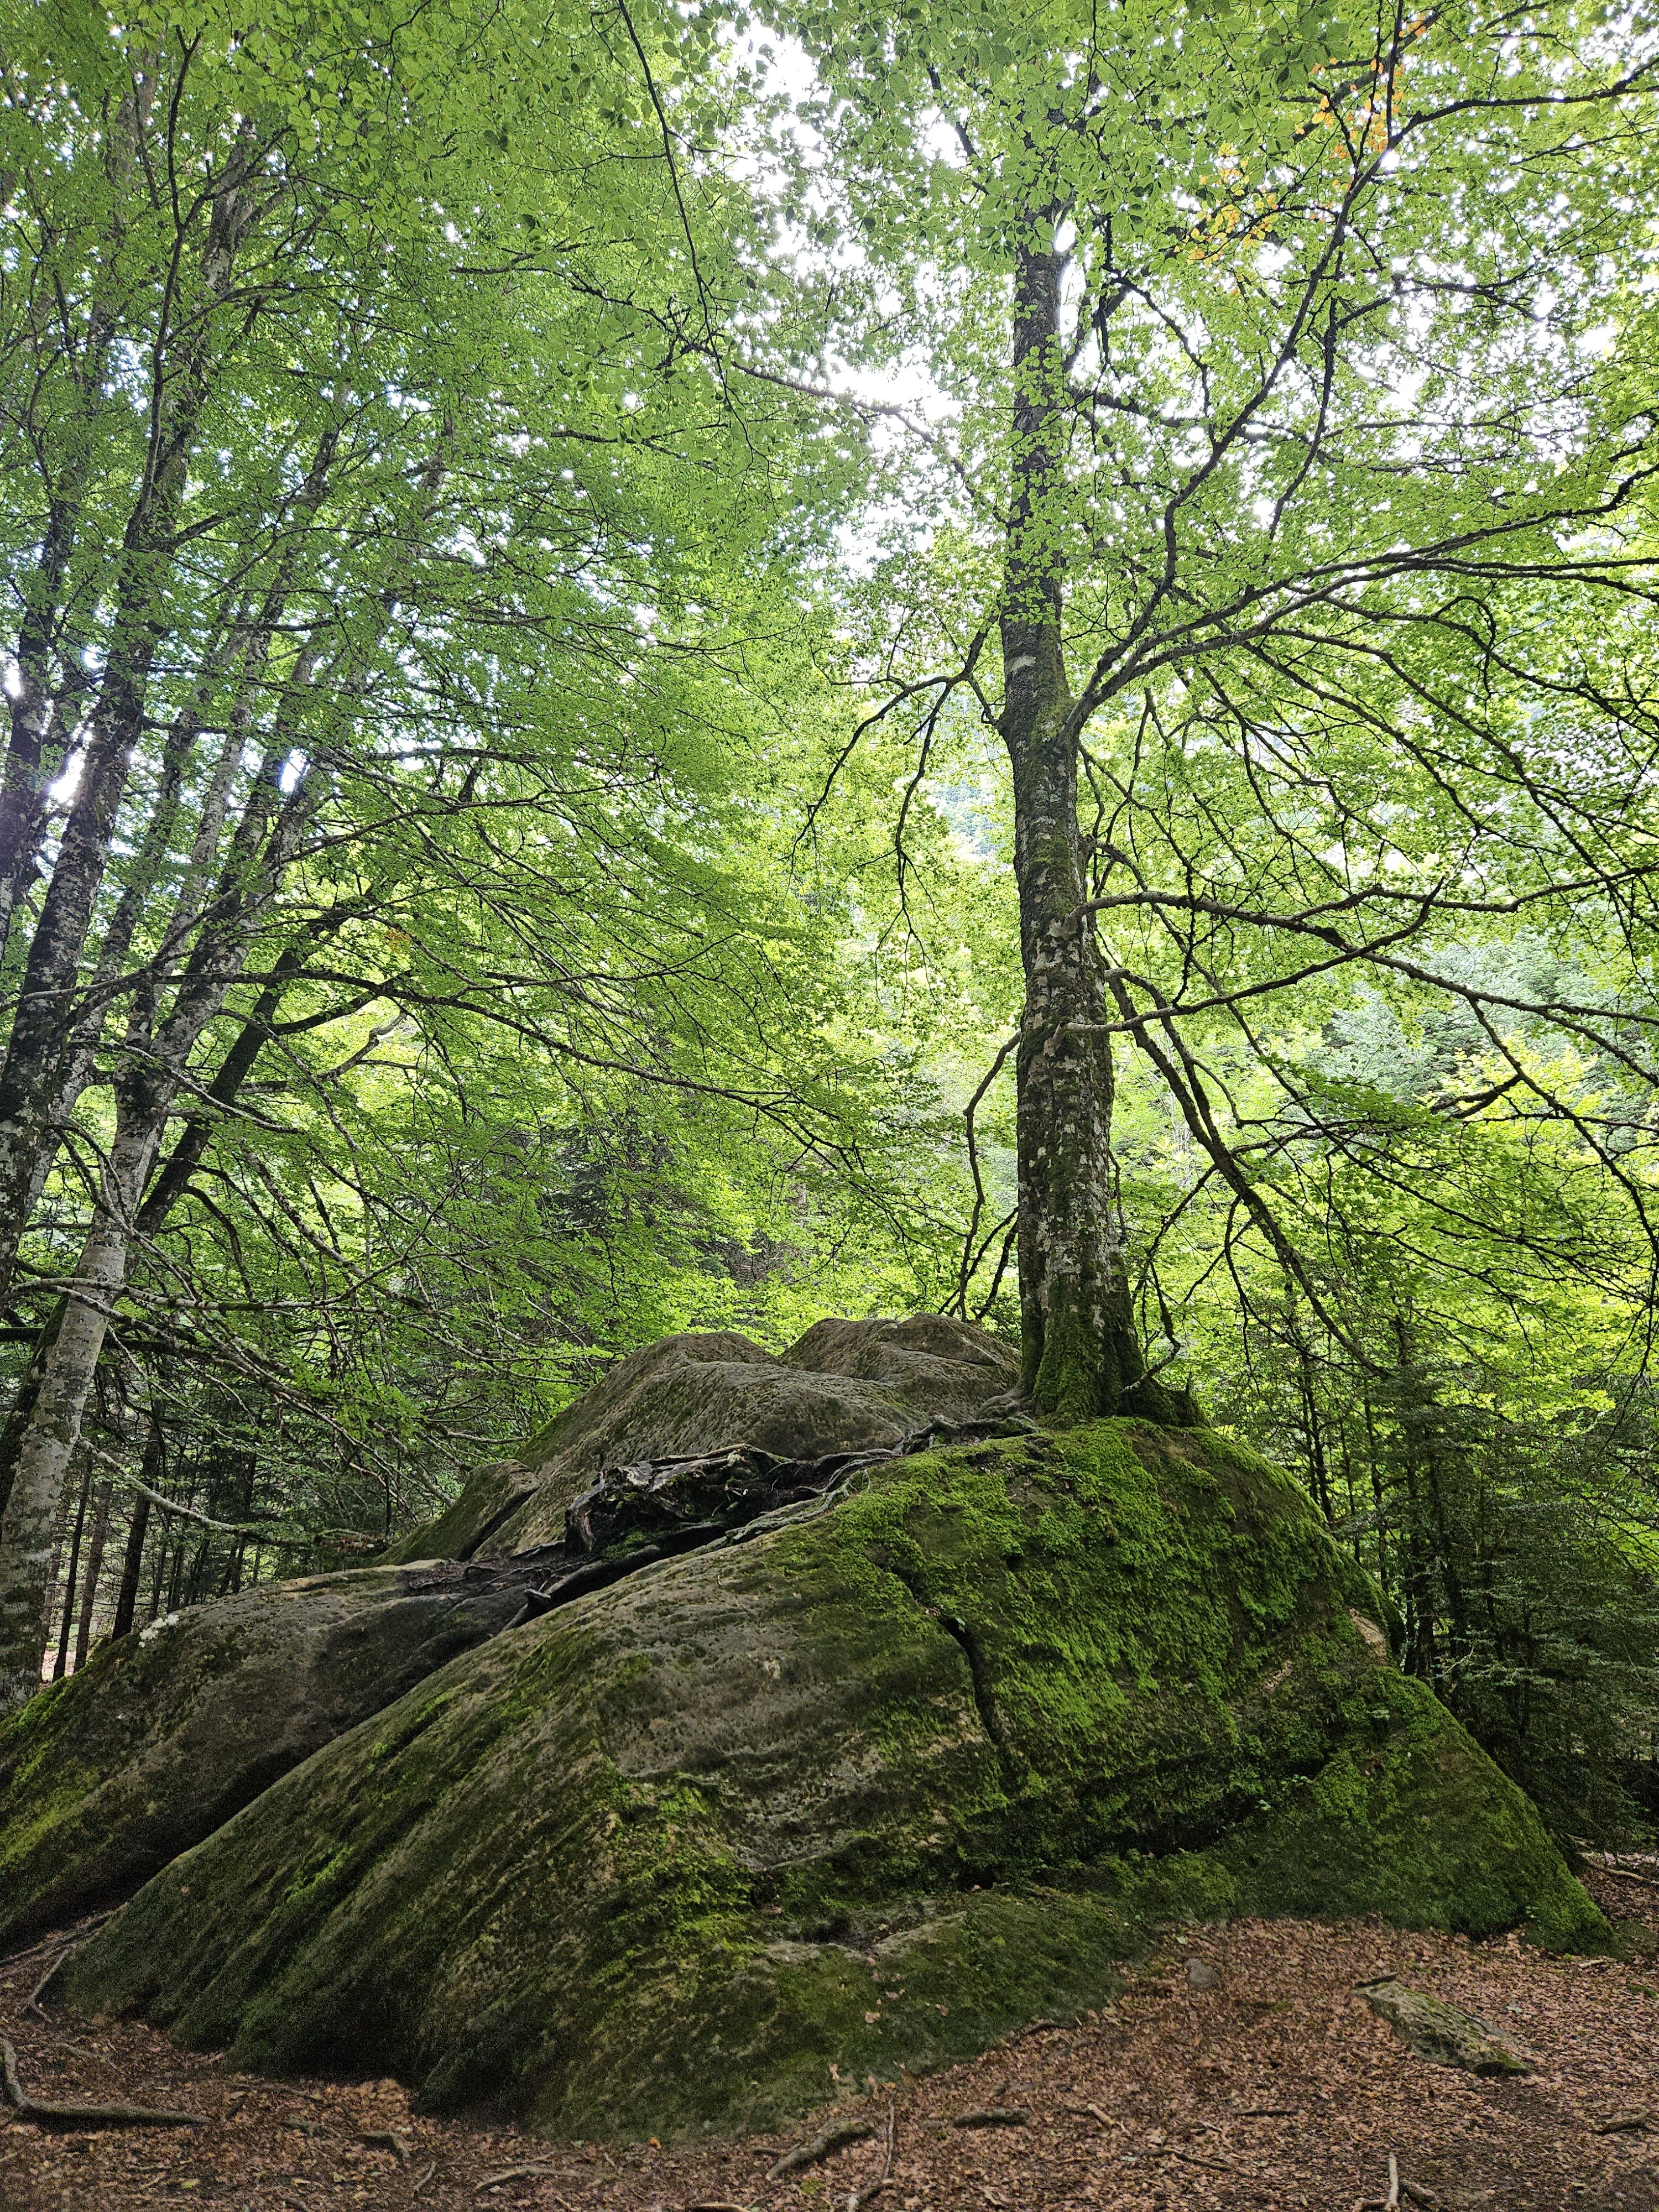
(844, 1386)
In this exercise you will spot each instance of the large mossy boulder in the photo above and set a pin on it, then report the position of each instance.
(112, 1772)
(845, 1386)
(849, 1795)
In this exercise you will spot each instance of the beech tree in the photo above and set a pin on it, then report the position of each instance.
(377, 526)
(1281, 353)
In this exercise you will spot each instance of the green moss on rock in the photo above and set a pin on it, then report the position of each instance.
(111, 1772)
(860, 1794)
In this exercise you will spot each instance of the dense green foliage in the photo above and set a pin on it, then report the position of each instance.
(1338, 480)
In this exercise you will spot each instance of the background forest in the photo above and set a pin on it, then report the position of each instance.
(505, 841)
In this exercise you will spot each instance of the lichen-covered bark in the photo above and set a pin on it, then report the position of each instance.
(1081, 1354)
(862, 1794)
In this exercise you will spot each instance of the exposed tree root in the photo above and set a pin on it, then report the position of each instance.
(85, 2115)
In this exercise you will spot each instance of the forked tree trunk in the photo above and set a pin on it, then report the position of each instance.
(1081, 1352)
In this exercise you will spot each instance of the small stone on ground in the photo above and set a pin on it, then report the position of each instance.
(1440, 2032)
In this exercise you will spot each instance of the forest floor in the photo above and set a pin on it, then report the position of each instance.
(1275, 2086)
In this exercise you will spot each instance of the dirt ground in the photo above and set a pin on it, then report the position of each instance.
(1276, 2086)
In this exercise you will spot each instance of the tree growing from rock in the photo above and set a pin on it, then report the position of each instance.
(1287, 360)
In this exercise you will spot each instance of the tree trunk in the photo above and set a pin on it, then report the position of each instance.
(163, 1194)
(158, 1577)
(95, 1569)
(52, 1566)
(21, 1410)
(144, 1094)
(70, 1580)
(28, 769)
(1081, 1354)
(32, 757)
(53, 1433)
(46, 1010)
(151, 1469)
(132, 1562)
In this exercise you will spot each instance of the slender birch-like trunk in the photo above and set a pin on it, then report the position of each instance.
(28, 1076)
(71, 1584)
(28, 763)
(93, 1574)
(54, 1430)
(38, 722)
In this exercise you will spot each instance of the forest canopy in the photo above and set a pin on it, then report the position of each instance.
(677, 667)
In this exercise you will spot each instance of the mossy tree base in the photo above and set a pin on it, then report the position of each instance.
(855, 1795)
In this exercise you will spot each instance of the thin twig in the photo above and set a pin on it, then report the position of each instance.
(872, 2189)
(1191, 2157)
